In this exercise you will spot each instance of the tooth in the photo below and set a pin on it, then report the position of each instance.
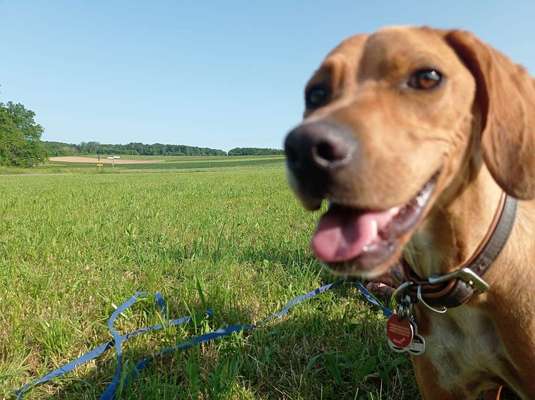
(420, 201)
(374, 229)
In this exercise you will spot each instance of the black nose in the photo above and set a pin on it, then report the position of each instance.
(319, 146)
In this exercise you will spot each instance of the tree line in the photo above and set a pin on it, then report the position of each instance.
(21, 145)
(254, 151)
(141, 149)
(157, 149)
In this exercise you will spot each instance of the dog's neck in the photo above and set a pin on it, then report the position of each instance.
(446, 240)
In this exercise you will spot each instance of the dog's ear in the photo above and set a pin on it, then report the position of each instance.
(506, 96)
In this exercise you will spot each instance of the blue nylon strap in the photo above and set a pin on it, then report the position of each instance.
(99, 350)
(370, 298)
(160, 302)
(229, 330)
(159, 327)
(298, 300)
(118, 339)
(207, 337)
(111, 389)
(65, 369)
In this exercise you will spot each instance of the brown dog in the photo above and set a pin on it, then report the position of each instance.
(413, 135)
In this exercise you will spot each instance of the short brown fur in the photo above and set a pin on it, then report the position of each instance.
(478, 130)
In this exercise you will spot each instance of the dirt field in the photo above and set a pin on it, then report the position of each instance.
(103, 160)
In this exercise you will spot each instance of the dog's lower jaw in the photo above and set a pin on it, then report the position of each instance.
(353, 268)
(310, 203)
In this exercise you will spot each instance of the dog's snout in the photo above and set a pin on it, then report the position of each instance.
(319, 145)
(330, 150)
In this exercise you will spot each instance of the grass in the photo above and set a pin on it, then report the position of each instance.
(185, 158)
(171, 163)
(230, 238)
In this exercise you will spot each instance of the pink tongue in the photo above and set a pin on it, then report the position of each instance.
(342, 234)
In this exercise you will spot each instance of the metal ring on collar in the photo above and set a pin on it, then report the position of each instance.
(400, 289)
(421, 300)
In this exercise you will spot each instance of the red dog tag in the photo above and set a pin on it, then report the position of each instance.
(399, 331)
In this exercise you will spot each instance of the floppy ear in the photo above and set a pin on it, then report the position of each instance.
(506, 96)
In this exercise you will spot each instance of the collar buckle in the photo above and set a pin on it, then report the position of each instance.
(467, 275)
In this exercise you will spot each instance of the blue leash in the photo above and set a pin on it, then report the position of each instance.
(118, 339)
(370, 298)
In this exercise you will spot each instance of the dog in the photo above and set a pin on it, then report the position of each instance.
(422, 141)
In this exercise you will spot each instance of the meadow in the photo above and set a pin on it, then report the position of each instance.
(221, 234)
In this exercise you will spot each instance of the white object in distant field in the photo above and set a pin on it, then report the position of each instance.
(113, 158)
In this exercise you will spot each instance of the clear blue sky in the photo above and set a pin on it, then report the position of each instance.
(219, 74)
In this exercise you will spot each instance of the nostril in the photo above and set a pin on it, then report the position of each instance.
(331, 151)
(317, 146)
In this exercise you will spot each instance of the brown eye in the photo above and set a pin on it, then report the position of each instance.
(425, 79)
(316, 97)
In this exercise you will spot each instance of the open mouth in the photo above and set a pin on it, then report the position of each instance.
(367, 239)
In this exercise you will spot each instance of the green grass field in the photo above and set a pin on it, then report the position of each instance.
(230, 237)
(170, 163)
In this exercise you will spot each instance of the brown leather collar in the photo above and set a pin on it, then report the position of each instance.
(457, 289)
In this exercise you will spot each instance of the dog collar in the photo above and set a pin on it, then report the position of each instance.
(456, 288)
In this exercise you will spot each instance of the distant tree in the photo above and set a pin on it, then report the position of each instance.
(20, 136)
(54, 149)
(253, 151)
(158, 149)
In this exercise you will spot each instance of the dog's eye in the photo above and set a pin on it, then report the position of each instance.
(316, 97)
(425, 79)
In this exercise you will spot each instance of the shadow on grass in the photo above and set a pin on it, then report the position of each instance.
(290, 258)
(313, 353)
(308, 355)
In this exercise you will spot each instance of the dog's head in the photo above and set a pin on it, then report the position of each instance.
(391, 120)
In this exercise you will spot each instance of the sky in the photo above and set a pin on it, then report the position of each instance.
(217, 74)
